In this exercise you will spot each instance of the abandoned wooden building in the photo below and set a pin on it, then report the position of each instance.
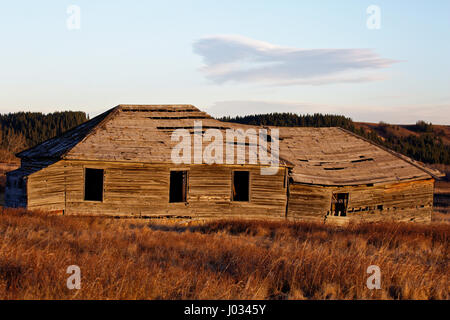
(119, 163)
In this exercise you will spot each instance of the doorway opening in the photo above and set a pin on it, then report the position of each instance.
(241, 186)
(178, 186)
(339, 202)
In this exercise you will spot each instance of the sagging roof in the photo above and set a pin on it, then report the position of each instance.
(142, 133)
(334, 156)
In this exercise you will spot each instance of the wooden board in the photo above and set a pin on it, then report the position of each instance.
(143, 190)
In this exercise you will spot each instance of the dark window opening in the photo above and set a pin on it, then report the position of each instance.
(362, 160)
(93, 185)
(178, 186)
(177, 118)
(339, 203)
(380, 207)
(241, 184)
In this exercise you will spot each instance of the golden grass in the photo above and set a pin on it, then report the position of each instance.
(235, 259)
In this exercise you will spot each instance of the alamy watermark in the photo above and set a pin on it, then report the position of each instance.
(74, 281)
(73, 21)
(373, 21)
(257, 147)
(374, 280)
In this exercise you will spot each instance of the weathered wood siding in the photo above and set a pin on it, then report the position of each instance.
(143, 190)
(45, 188)
(400, 201)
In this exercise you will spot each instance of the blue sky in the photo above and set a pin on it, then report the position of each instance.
(229, 57)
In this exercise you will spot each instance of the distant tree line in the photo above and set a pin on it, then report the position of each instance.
(22, 130)
(426, 147)
(293, 120)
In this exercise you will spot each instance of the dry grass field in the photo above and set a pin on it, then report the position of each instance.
(234, 259)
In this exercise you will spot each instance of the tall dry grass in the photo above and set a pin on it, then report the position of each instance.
(238, 259)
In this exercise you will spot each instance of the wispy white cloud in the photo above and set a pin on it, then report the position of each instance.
(240, 59)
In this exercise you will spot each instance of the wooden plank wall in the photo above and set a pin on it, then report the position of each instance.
(401, 201)
(17, 184)
(45, 188)
(143, 190)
